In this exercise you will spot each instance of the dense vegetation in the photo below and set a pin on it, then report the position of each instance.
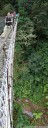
(38, 12)
(31, 64)
(8, 6)
(30, 71)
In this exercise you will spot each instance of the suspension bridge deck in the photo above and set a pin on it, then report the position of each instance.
(7, 43)
(4, 43)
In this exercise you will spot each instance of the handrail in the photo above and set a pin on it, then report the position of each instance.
(5, 90)
(4, 93)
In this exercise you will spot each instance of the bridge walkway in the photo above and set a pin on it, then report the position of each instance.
(7, 44)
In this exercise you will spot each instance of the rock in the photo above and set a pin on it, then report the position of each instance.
(28, 113)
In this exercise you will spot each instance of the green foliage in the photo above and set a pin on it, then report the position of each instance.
(26, 4)
(1, 4)
(30, 68)
(38, 12)
(8, 5)
(46, 88)
(7, 8)
(21, 120)
(46, 95)
(37, 115)
(40, 18)
(22, 11)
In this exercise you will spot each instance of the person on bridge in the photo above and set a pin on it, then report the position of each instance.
(13, 17)
(8, 19)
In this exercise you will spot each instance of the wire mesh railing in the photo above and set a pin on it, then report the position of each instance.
(6, 88)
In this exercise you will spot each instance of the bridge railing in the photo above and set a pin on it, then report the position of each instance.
(6, 90)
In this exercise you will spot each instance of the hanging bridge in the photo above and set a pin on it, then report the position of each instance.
(7, 44)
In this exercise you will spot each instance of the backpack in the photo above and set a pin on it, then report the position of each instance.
(8, 21)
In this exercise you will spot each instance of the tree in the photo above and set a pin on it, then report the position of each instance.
(37, 10)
